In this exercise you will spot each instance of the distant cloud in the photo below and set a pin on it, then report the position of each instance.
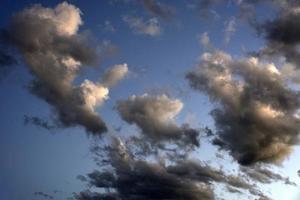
(139, 26)
(43, 195)
(158, 9)
(107, 27)
(230, 28)
(204, 40)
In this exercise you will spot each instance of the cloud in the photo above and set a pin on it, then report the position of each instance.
(158, 9)
(44, 195)
(204, 40)
(37, 121)
(155, 116)
(255, 116)
(108, 27)
(7, 62)
(139, 26)
(55, 53)
(230, 28)
(282, 34)
(265, 175)
(114, 75)
(131, 178)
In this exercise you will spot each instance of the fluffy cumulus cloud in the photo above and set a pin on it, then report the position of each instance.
(55, 53)
(256, 112)
(139, 26)
(131, 178)
(155, 116)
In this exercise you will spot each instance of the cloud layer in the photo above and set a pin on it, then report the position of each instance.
(131, 178)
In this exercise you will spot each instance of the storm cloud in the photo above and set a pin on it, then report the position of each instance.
(256, 112)
(55, 53)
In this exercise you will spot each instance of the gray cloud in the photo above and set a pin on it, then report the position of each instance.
(154, 115)
(265, 175)
(256, 115)
(55, 53)
(37, 121)
(282, 33)
(131, 178)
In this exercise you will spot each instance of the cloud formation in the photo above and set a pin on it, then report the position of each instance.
(55, 53)
(265, 175)
(256, 112)
(282, 33)
(155, 116)
(141, 27)
(131, 178)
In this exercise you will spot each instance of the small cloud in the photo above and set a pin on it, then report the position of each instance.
(204, 40)
(158, 9)
(230, 29)
(107, 27)
(139, 26)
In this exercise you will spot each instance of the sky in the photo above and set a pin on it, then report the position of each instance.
(149, 99)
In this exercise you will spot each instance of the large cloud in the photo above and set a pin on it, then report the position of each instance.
(131, 178)
(256, 115)
(154, 115)
(55, 53)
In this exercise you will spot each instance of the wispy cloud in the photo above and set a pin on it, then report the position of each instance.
(138, 25)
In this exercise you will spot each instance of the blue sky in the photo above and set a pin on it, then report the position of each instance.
(34, 159)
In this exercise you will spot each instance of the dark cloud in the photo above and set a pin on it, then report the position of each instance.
(7, 58)
(154, 115)
(131, 178)
(7, 62)
(55, 53)
(37, 121)
(282, 33)
(265, 175)
(256, 113)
